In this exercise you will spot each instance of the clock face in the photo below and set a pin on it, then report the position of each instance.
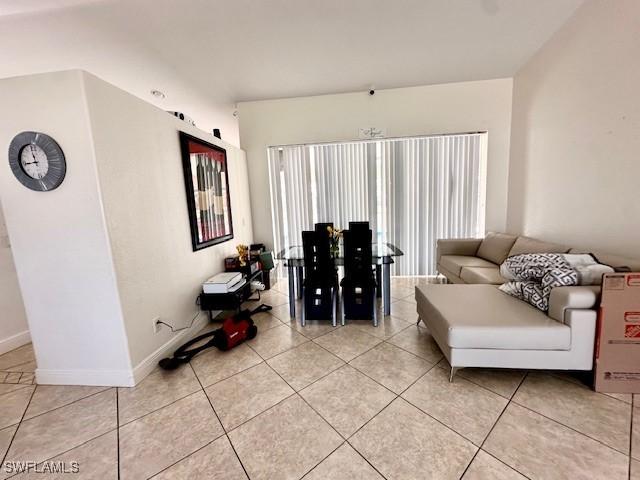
(37, 161)
(34, 161)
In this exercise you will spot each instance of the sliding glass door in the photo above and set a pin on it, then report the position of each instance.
(411, 190)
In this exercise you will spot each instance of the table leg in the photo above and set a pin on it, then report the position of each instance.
(292, 291)
(299, 279)
(386, 286)
(379, 281)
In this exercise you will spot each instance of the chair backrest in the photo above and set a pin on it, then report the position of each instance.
(358, 226)
(357, 253)
(318, 263)
(322, 227)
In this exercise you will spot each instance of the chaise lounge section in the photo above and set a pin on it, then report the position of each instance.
(480, 326)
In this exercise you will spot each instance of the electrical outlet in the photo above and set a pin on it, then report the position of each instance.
(156, 325)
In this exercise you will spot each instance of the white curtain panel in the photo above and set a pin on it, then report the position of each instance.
(340, 174)
(413, 191)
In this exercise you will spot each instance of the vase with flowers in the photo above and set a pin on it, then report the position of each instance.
(335, 234)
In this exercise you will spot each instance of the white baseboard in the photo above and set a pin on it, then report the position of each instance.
(98, 378)
(145, 367)
(14, 341)
(118, 378)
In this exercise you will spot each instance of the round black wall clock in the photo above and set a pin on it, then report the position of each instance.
(37, 161)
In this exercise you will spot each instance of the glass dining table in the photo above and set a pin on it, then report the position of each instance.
(382, 258)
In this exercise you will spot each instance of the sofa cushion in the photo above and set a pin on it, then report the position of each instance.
(481, 316)
(531, 245)
(457, 246)
(450, 275)
(484, 275)
(495, 247)
(455, 263)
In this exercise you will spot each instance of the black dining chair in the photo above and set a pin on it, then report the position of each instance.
(320, 286)
(363, 227)
(359, 284)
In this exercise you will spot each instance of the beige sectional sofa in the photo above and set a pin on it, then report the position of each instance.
(477, 325)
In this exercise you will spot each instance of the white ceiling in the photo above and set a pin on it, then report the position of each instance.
(258, 49)
(226, 51)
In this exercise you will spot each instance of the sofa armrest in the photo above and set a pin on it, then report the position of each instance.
(457, 246)
(582, 323)
(564, 298)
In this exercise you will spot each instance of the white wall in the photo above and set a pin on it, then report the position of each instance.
(59, 239)
(14, 331)
(142, 187)
(447, 108)
(576, 133)
(90, 38)
(109, 250)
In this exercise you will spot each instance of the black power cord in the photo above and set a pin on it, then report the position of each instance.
(174, 330)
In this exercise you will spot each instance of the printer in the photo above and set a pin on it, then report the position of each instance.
(225, 282)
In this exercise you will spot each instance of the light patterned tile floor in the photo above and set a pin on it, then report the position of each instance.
(17, 367)
(322, 403)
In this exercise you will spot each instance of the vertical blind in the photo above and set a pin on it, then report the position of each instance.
(413, 191)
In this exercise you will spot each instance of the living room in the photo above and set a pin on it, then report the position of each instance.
(456, 151)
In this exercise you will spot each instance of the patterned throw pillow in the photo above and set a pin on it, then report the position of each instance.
(531, 266)
(535, 293)
(534, 275)
(530, 292)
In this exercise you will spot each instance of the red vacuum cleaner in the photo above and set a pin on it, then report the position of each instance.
(235, 330)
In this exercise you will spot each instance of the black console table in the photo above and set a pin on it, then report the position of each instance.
(233, 301)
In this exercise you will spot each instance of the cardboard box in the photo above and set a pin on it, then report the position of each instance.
(617, 362)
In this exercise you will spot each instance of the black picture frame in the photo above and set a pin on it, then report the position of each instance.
(207, 190)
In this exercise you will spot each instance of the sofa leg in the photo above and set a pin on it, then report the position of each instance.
(452, 372)
(418, 322)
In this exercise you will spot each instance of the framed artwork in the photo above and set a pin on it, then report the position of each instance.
(206, 180)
